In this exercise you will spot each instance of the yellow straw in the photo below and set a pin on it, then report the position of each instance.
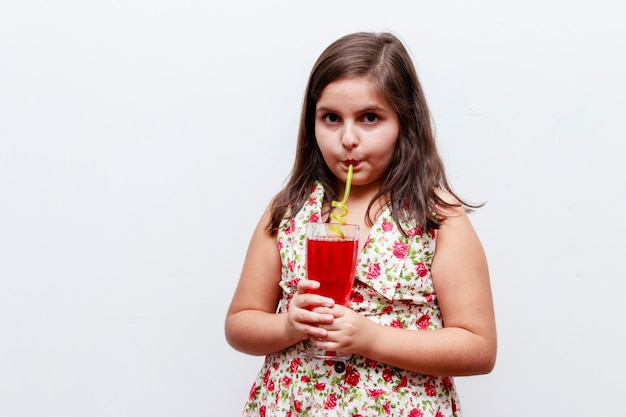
(341, 205)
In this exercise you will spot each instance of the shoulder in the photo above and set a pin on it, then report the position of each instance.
(447, 205)
(456, 233)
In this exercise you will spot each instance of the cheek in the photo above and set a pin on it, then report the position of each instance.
(320, 133)
(384, 152)
(386, 146)
(325, 139)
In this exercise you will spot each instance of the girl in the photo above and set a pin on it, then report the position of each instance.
(421, 308)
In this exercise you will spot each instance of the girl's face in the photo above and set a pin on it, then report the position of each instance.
(354, 125)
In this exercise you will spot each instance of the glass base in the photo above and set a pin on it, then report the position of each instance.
(316, 353)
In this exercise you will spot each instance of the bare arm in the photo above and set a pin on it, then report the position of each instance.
(252, 324)
(467, 343)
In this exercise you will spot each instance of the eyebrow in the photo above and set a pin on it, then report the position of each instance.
(368, 109)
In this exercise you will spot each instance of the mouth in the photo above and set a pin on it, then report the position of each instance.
(352, 162)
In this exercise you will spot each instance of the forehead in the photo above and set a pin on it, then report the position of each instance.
(357, 90)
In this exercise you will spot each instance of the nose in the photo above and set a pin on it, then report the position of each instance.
(349, 137)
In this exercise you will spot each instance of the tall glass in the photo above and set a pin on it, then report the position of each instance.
(331, 256)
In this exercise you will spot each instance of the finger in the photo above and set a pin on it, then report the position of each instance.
(326, 310)
(307, 316)
(310, 301)
(306, 285)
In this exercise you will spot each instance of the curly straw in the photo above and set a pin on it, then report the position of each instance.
(341, 205)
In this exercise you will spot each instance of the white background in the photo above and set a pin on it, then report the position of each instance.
(140, 141)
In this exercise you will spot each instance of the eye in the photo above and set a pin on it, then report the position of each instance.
(331, 118)
(370, 118)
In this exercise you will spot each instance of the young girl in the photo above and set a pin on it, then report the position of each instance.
(421, 308)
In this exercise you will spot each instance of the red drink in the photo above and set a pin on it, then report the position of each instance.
(332, 262)
(331, 256)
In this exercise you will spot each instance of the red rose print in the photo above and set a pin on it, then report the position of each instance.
(430, 389)
(373, 271)
(453, 405)
(387, 226)
(252, 392)
(320, 386)
(305, 378)
(421, 270)
(291, 227)
(399, 249)
(416, 413)
(294, 365)
(370, 363)
(402, 384)
(447, 383)
(352, 376)
(387, 408)
(356, 297)
(331, 402)
(375, 393)
(286, 381)
(314, 218)
(432, 233)
(388, 309)
(266, 377)
(397, 324)
(387, 375)
(291, 265)
(297, 405)
(439, 414)
(270, 386)
(262, 411)
(423, 322)
(416, 231)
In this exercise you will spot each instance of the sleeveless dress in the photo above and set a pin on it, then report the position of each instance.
(393, 287)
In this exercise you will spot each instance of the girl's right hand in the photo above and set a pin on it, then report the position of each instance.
(301, 319)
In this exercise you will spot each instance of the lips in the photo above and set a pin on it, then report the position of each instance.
(352, 162)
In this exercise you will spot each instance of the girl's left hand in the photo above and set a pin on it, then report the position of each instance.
(348, 331)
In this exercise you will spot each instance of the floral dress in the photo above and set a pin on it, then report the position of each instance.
(393, 287)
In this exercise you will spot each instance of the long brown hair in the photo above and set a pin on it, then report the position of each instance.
(416, 168)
